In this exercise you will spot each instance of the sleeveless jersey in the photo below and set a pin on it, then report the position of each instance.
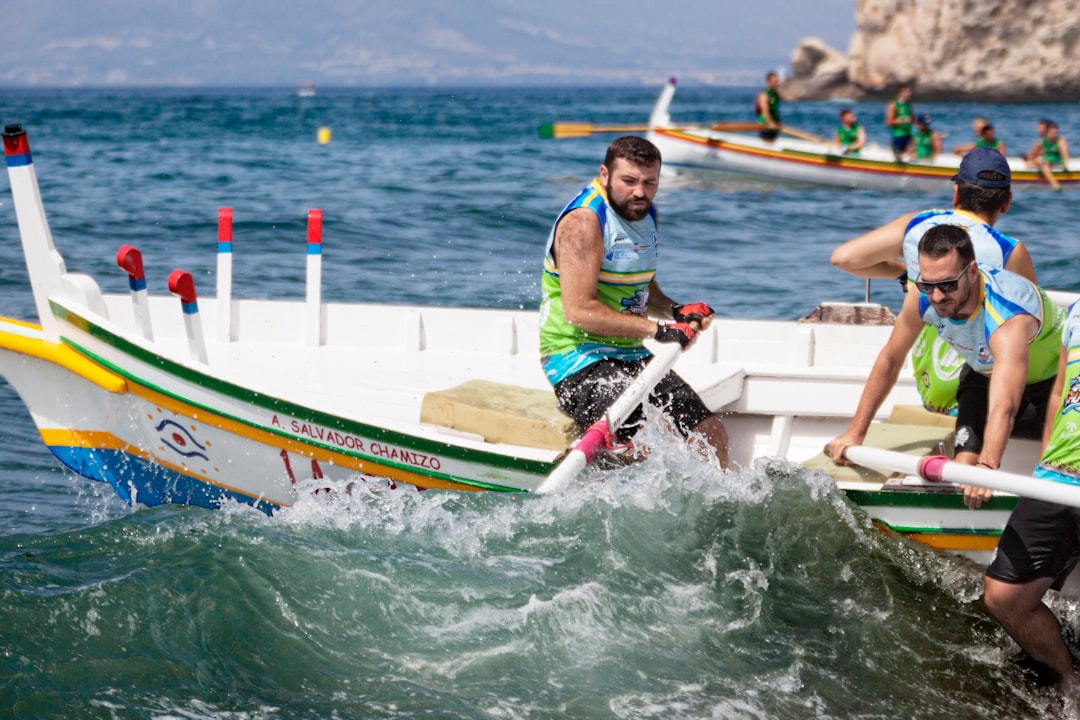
(991, 246)
(629, 264)
(936, 365)
(903, 112)
(1002, 296)
(1061, 459)
(1051, 151)
(924, 144)
(774, 106)
(847, 136)
(995, 145)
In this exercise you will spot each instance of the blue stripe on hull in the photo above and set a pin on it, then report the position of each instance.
(151, 484)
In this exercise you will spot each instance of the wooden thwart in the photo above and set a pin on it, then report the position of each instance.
(501, 413)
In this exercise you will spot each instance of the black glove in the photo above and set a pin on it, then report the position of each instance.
(902, 279)
(691, 312)
(681, 333)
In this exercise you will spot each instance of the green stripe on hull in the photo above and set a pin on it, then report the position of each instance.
(276, 405)
(921, 500)
(973, 532)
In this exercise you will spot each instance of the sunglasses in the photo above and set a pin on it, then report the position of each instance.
(945, 286)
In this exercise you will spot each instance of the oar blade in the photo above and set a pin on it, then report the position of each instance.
(563, 130)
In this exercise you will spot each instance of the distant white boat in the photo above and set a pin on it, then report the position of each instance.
(812, 160)
(305, 89)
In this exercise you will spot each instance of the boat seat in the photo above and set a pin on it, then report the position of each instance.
(531, 417)
(914, 439)
(918, 415)
(501, 413)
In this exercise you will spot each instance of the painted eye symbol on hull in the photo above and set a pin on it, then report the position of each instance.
(177, 438)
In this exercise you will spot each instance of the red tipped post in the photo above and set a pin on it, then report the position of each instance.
(182, 285)
(316, 317)
(130, 260)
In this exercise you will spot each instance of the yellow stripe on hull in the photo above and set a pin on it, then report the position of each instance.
(61, 355)
(952, 542)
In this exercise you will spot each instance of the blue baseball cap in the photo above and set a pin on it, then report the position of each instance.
(980, 160)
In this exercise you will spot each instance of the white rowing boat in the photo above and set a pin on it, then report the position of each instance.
(177, 398)
(799, 160)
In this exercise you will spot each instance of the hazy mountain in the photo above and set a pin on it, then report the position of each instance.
(366, 42)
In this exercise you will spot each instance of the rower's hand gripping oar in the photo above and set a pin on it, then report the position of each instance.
(582, 452)
(941, 468)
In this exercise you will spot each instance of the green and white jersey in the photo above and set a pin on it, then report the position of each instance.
(1002, 296)
(1061, 459)
(630, 252)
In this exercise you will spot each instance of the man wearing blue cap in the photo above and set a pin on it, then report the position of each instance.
(982, 195)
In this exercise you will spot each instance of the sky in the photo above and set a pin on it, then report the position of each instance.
(95, 43)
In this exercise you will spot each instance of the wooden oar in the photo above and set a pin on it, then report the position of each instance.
(802, 134)
(562, 130)
(589, 445)
(940, 468)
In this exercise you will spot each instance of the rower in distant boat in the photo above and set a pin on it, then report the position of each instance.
(926, 142)
(850, 134)
(982, 195)
(767, 108)
(977, 125)
(899, 117)
(988, 139)
(1050, 152)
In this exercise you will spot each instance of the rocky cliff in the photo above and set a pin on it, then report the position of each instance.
(993, 50)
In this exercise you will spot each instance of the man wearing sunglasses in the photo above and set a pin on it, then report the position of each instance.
(1002, 325)
(981, 196)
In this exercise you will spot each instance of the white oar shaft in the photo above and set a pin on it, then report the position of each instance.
(584, 449)
(950, 471)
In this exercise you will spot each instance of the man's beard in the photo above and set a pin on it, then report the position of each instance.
(953, 308)
(624, 209)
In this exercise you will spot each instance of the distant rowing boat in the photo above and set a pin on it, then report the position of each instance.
(800, 160)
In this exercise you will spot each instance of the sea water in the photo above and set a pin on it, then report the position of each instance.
(664, 590)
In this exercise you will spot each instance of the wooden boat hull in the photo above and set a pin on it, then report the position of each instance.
(795, 160)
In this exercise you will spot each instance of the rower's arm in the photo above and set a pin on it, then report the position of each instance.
(882, 377)
(1063, 148)
(1020, 262)
(659, 302)
(1035, 152)
(875, 254)
(860, 139)
(1009, 347)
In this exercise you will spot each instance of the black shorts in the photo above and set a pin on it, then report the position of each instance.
(973, 402)
(769, 135)
(587, 394)
(1041, 540)
(900, 143)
